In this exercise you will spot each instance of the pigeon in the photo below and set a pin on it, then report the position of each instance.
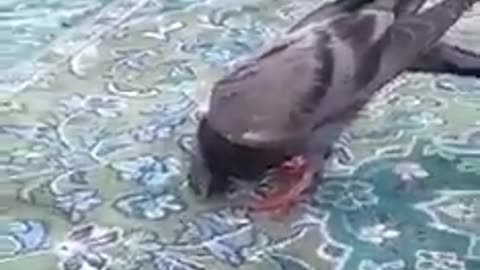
(280, 110)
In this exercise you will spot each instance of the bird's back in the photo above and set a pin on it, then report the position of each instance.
(273, 97)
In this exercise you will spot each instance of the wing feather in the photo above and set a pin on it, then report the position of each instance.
(400, 46)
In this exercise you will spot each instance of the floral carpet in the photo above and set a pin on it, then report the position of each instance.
(94, 143)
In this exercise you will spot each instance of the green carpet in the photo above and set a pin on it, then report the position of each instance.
(93, 157)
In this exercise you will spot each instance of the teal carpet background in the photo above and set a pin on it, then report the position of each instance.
(97, 113)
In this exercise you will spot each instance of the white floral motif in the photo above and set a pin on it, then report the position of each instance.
(409, 171)
(161, 205)
(467, 210)
(377, 234)
(428, 119)
(347, 195)
(438, 260)
(149, 206)
(84, 248)
(150, 171)
(457, 212)
(371, 265)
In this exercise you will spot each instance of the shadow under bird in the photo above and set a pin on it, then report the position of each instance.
(281, 109)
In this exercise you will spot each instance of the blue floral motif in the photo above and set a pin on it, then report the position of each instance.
(165, 262)
(231, 43)
(77, 203)
(241, 32)
(136, 251)
(214, 53)
(164, 118)
(152, 132)
(173, 107)
(142, 249)
(23, 237)
(180, 72)
(222, 234)
(149, 206)
(84, 248)
(152, 172)
(346, 195)
(229, 236)
(102, 106)
(225, 235)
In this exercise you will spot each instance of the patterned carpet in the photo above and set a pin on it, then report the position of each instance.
(93, 150)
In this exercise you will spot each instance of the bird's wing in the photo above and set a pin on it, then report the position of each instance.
(442, 58)
(270, 100)
(405, 41)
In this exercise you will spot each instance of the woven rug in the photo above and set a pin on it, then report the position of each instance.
(95, 134)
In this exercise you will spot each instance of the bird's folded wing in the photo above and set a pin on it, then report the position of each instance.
(406, 40)
(443, 58)
(409, 38)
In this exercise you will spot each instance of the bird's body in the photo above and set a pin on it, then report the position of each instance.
(294, 98)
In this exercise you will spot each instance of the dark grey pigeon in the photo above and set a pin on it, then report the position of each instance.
(294, 98)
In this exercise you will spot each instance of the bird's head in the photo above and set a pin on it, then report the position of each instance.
(215, 160)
